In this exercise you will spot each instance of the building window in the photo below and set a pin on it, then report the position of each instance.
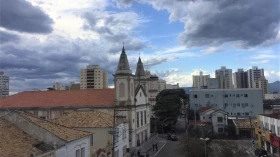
(272, 129)
(246, 104)
(246, 95)
(83, 153)
(247, 113)
(238, 113)
(121, 89)
(145, 116)
(238, 104)
(226, 96)
(91, 140)
(141, 118)
(137, 120)
(203, 117)
(131, 89)
(220, 119)
(206, 95)
(220, 130)
(210, 117)
(225, 105)
(237, 95)
(195, 96)
(78, 153)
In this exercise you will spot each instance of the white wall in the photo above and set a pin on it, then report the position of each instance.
(70, 148)
(272, 96)
(122, 140)
(217, 100)
(217, 124)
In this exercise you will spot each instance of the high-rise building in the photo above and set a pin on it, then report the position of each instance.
(200, 81)
(162, 85)
(4, 85)
(254, 75)
(240, 79)
(93, 78)
(224, 77)
(262, 83)
(212, 83)
(59, 86)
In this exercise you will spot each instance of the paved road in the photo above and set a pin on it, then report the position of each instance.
(169, 150)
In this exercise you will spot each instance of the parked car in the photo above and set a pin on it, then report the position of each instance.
(172, 137)
(261, 153)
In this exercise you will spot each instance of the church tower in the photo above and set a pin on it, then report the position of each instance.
(124, 82)
(140, 77)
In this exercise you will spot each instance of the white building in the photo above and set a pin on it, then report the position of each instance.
(213, 83)
(170, 86)
(224, 76)
(93, 77)
(59, 86)
(237, 102)
(4, 85)
(200, 80)
(217, 117)
(254, 75)
(272, 96)
(162, 85)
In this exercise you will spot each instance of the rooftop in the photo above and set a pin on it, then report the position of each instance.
(275, 115)
(60, 98)
(15, 142)
(203, 109)
(62, 132)
(86, 119)
(244, 123)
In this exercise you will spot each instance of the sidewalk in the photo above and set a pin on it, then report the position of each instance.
(160, 143)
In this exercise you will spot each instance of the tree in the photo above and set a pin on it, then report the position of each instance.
(169, 102)
(227, 148)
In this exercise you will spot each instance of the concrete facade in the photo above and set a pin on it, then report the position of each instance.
(224, 76)
(200, 80)
(213, 83)
(240, 79)
(254, 75)
(93, 77)
(237, 102)
(4, 85)
(162, 85)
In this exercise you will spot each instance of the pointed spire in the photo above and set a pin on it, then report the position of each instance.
(140, 72)
(123, 66)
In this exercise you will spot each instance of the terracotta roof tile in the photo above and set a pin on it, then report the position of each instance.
(14, 142)
(67, 98)
(63, 132)
(85, 119)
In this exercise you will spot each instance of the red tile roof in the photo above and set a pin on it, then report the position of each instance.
(66, 98)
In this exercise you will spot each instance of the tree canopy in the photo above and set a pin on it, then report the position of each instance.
(169, 103)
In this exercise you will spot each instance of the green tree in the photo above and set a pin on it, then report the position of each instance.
(169, 103)
(227, 148)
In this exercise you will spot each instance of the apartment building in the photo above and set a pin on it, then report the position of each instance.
(268, 132)
(59, 86)
(240, 79)
(93, 77)
(263, 84)
(170, 86)
(162, 85)
(4, 85)
(213, 83)
(153, 87)
(243, 102)
(224, 76)
(200, 80)
(254, 75)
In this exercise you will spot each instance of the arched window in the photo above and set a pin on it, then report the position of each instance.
(121, 90)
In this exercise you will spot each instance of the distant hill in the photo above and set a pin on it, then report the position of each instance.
(274, 87)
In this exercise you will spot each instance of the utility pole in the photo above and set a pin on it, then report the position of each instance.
(114, 123)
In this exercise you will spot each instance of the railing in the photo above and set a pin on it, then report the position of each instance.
(48, 154)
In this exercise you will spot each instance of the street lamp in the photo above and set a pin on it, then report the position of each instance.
(204, 140)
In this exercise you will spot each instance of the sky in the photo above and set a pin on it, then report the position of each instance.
(43, 42)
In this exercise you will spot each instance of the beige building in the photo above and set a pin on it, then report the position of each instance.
(93, 77)
(162, 85)
(4, 85)
(170, 86)
(224, 77)
(200, 80)
(261, 83)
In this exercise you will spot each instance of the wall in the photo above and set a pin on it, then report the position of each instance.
(101, 137)
(70, 148)
(122, 139)
(217, 100)
(217, 124)
(272, 96)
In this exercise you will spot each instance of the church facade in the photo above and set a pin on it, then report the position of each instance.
(131, 93)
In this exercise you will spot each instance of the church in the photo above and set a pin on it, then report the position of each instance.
(131, 92)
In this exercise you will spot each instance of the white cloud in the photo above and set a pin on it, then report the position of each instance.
(211, 50)
(260, 62)
(272, 75)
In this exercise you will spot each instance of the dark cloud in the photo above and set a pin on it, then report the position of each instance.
(8, 37)
(22, 16)
(251, 22)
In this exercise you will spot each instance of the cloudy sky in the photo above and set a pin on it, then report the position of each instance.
(48, 41)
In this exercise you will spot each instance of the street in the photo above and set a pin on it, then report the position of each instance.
(169, 150)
